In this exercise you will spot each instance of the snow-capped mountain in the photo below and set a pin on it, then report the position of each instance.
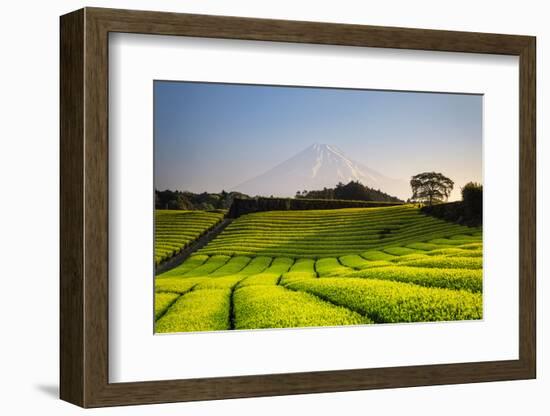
(319, 166)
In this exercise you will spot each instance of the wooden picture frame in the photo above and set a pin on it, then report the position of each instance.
(84, 207)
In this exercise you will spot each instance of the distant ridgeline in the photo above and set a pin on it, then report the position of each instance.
(352, 191)
(188, 200)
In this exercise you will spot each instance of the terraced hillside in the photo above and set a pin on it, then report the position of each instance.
(175, 229)
(325, 268)
(323, 233)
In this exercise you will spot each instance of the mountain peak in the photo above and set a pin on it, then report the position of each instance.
(316, 167)
(320, 146)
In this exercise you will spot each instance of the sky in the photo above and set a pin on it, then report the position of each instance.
(209, 136)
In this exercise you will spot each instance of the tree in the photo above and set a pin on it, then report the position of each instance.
(180, 202)
(354, 190)
(431, 187)
(472, 200)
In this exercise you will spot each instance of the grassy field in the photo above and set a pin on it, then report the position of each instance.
(175, 229)
(325, 268)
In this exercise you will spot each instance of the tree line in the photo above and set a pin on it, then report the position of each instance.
(352, 191)
(168, 199)
(428, 188)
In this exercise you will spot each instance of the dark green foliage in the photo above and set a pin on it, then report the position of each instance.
(188, 200)
(472, 197)
(469, 211)
(431, 187)
(352, 191)
(242, 206)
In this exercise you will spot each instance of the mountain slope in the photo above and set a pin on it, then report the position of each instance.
(319, 166)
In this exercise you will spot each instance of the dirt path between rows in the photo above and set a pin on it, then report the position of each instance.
(194, 246)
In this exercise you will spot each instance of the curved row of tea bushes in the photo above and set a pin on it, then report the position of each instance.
(330, 266)
(302, 269)
(163, 300)
(439, 262)
(271, 275)
(191, 263)
(335, 267)
(175, 229)
(198, 310)
(277, 307)
(390, 302)
(335, 233)
(209, 266)
(471, 280)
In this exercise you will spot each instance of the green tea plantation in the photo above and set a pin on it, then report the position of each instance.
(175, 229)
(282, 269)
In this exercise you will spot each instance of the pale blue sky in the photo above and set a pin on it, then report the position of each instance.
(210, 137)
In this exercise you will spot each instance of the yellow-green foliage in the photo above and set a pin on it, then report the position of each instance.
(304, 266)
(423, 246)
(385, 301)
(330, 266)
(277, 307)
(302, 269)
(318, 268)
(235, 265)
(257, 265)
(446, 262)
(210, 266)
(198, 310)
(332, 233)
(471, 246)
(357, 262)
(407, 258)
(454, 251)
(271, 275)
(376, 255)
(224, 282)
(191, 263)
(162, 301)
(401, 251)
(175, 284)
(175, 229)
(293, 276)
(265, 278)
(471, 280)
(449, 242)
(464, 253)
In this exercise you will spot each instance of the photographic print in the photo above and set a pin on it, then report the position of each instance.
(292, 207)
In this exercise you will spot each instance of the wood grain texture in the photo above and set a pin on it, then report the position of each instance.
(71, 185)
(528, 207)
(84, 207)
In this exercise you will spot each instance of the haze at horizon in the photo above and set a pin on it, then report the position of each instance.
(210, 137)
